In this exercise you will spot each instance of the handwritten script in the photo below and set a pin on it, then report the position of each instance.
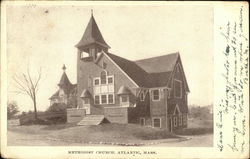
(235, 74)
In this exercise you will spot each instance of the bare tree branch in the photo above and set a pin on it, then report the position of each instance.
(28, 86)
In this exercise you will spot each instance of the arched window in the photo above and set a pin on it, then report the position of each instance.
(103, 77)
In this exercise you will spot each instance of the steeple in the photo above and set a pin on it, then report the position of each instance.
(92, 40)
(64, 83)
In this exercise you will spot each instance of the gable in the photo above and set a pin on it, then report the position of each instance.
(178, 74)
(93, 69)
(130, 69)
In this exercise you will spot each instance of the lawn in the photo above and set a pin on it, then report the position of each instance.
(64, 134)
(197, 126)
(106, 133)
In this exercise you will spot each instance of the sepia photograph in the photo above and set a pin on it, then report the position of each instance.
(126, 79)
(108, 75)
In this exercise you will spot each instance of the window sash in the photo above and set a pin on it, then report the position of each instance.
(111, 99)
(97, 99)
(156, 95)
(180, 120)
(175, 121)
(142, 96)
(103, 77)
(96, 82)
(110, 79)
(177, 89)
(104, 99)
(157, 122)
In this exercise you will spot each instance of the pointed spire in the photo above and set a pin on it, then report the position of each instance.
(64, 83)
(92, 35)
(64, 67)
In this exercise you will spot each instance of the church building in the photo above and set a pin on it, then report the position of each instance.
(150, 92)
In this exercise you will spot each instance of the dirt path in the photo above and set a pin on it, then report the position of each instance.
(194, 141)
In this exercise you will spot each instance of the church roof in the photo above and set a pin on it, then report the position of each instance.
(158, 64)
(151, 72)
(64, 81)
(92, 35)
(131, 69)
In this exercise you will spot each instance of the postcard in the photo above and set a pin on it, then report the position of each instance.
(100, 79)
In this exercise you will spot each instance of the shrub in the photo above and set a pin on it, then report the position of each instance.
(58, 108)
(32, 121)
(56, 119)
(12, 109)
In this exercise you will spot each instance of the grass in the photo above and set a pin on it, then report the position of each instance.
(113, 133)
(197, 127)
(121, 133)
(110, 133)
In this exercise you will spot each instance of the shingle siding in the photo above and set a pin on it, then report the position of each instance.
(90, 70)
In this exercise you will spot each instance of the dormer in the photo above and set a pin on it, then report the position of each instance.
(91, 42)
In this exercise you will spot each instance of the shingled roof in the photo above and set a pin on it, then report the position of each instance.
(152, 72)
(135, 72)
(158, 64)
(92, 35)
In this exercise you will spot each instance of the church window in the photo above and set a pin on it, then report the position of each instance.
(96, 81)
(97, 99)
(110, 80)
(180, 119)
(142, 96)
(156, 95)
(157, 122)
(104, 65)
(175, 121)
(104, 99)
(177, 88)
(83, 55)
(110, 98)
(104, 88)
(103, 77)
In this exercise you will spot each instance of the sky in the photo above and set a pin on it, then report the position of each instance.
(44, 36)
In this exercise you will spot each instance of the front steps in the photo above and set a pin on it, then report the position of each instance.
(93, 120)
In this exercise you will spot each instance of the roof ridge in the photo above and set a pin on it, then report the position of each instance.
(119, 56)
(129, 61)
(156, 57)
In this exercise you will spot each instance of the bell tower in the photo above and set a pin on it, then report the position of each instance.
(91, 42)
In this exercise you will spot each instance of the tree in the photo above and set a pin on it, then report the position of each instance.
(12, 109)
(28, 86)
